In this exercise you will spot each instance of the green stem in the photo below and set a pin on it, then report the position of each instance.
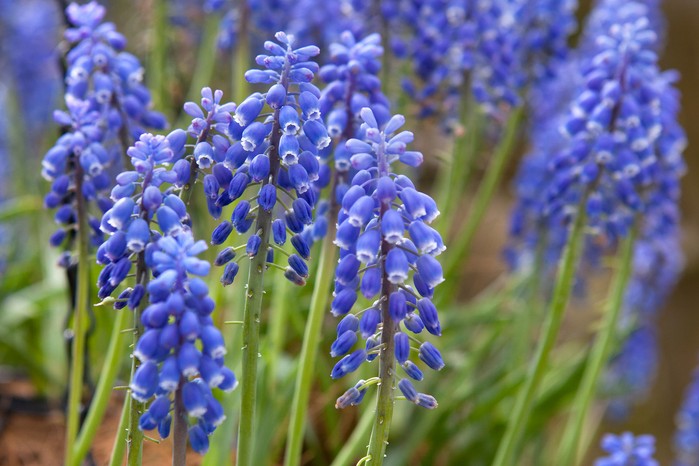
(157, 62)
(454, 177)
(278, 327)
(221, 443)
(134, 439)
(206, 61)
(251, 345)
(119, 448)
(532, 306)
(253, 303)
(386, 397)
(569, 451)
(460, 249)
(309, 350)
(563, 287)
(387, 360)
(179, 430)
(79, 315)
(103, 391)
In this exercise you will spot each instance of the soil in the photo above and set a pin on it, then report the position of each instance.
(34, 435)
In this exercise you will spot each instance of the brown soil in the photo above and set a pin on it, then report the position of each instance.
(38, 439)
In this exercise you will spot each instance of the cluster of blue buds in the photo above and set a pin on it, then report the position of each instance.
(499, 68)
(620, 148)
(494, 46)
(100, 71)
(627, 449)
(439, 41)
(140, 198)
(310, 19)
(351, 84)
(181, 349)
(376, 261)
(532, 232)
(107, 108)
(613, 124)
(275, 152)
(305, 19)
(687, 420)
(549, 24)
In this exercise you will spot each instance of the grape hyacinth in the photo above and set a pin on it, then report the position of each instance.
(352, 83)
(179, 312)
(549, 26)
(141, 197)
(455, 44)
(107, 108)
(613, 124)
(439, 41)
(611, 155)
(181, 351)
(376, 260)
(240, 146)
(274, 152)
(628, 450)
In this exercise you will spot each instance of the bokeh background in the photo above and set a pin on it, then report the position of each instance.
(31, 437)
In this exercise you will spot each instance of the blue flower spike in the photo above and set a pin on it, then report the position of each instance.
(380, 212)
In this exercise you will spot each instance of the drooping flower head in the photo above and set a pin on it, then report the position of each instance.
(378, 261)
(627, 449)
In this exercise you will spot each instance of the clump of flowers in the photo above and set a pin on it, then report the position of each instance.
(181, 351)
(108, 107)
(238, 147)
(352, 83)
(376, 261)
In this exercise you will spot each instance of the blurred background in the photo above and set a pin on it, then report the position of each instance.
(32, 354)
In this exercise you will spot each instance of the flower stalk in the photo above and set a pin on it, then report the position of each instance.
(561, 293)
(253, 305)
(134, 436)
(79, 317)
(309, 350)
(387, 359)
(569, 451)
(179, 427)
